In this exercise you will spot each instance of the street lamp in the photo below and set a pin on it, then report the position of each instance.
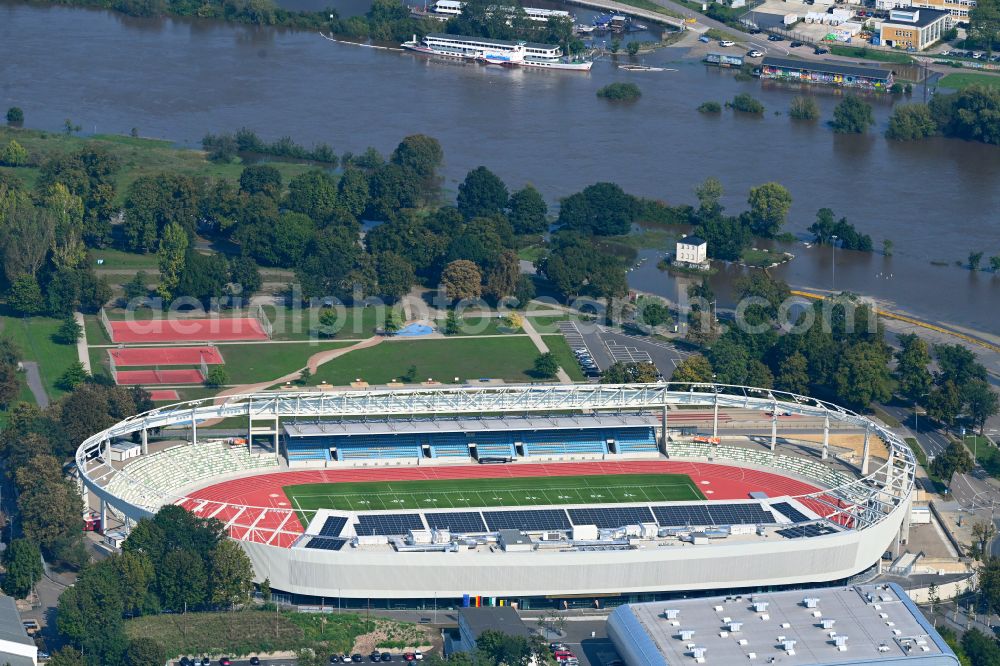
(833, 262)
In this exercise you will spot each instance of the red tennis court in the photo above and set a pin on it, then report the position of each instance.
(189, 376)
(163, 395)
(165, 356)
(187, 330)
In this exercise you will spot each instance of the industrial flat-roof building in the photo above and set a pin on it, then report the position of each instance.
(826, 73)
(869, 624)
(913, 27)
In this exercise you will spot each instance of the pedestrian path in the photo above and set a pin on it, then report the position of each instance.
(543, 348)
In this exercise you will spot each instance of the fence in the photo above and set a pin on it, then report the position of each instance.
(265, 323)
(107, 325)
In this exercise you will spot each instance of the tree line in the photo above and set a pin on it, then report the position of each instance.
(972, 114)
(175, 561)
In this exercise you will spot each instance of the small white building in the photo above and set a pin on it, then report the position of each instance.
(692, 252)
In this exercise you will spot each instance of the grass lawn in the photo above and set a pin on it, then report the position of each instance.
(530, 253)
(960, 81)
(564, 355)
(138, 157)
(870, 54)
(33, 337)
(505, 357)
(548, 323)
(650, 6)
(475, 325)
(462, 493)
(254, 631)
(246, 364)
(118, 260)
(761, 258)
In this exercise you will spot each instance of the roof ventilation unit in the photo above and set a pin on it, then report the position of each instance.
(789, 647)
(671, 613)
(827, 623)
(686, 634)
(841, 642)
(810, 602)
(760, 606)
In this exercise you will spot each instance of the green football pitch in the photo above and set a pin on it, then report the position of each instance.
(482, 493)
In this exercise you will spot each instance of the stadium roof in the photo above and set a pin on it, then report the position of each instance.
(881, 625)
(426, 426)
(827, 67)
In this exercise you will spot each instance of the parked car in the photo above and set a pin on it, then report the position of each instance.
(409, 656)
(556, 647)
(754, 53)
(726, 42)
(335, 659)
(255, 661)
(775, 38)
(819, 50)
(386, 656)
(705, 39)
(419, 655)
(205, 661)
(225, 661)
(375, 657)
(755, 31)
(796, 45)
(357, 658)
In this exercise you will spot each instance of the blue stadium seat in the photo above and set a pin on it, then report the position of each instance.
(564, 442)
(448, 445)
(634, 440)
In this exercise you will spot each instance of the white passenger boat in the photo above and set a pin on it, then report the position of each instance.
(445, 9)
(496, 52)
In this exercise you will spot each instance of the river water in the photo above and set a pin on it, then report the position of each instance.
(936, 200)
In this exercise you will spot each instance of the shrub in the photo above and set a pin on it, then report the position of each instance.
(710, 107)
(804, 108)
(74, 375)
(747, 104)
(852, 116)
(620, 92)
(910, 122)
(15, 115)
(217, 376)
(14, 155)
(68, 332)
(896, 88)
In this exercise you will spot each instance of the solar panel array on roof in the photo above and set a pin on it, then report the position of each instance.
(388, 524)
(612, 516)
(532, 519)
(807, 531)
(712, 514)
(456, 521)
(323, 543)
(333, 526)
(790, 512)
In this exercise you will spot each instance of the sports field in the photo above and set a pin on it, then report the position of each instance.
(480, 493)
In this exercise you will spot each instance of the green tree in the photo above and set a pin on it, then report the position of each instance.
(852, 116)
(204, 277)
(910, 122)
(545, 366)
(804, 108)
(353, 191)
(392, 189)
(244, 276)
(73, 375)
(136, 287)
(769, 204)
(652, 312)
(230, 575)
(170, 258)
(793, 374)
(528, 211)
(630, 373)
(154, 202)
(502, 278)
(953, 459)
(461, 280)
(452, 324)
(984, 23)
(975, 259)
(89, 174)
(13, 155)
(326, 263)
(981, 403)
(68, 333)
(421, 153)
(67, 656)
(395, 276)
(217, 376)
(23, 562)
(15, 115)
(282, 244)
(50, 506)
(314, 194)
(912, 360)
(887, 247)
(144, 651)
(972, 114)
(995, 264)
(25, 296)
(66, 209)
(862, 376)
(746, 103)
(620, 91)
(182, 581)
(602, 209)
(261, 179)
(496, 647)
(481, 194)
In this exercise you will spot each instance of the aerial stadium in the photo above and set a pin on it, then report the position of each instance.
(521, 495)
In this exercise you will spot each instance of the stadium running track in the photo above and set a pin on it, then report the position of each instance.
(247, 499)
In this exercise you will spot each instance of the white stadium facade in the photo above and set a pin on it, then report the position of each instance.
(791, 507)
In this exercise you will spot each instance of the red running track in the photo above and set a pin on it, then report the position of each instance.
(717, 482)
(187, 330)
(146, 377)
(161, 395)
(131, 356)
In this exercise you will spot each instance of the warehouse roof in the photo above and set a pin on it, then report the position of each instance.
(825, 67)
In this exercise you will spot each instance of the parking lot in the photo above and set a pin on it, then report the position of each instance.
(606, 347)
